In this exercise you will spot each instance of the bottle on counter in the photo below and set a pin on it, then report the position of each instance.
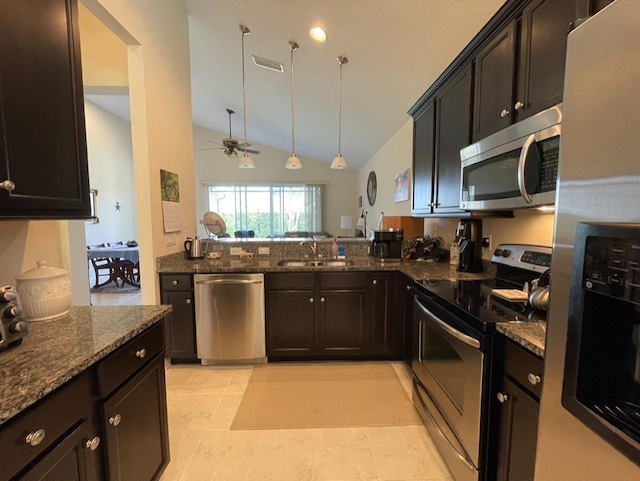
(381, 221)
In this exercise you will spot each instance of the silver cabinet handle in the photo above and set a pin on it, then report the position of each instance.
(92, 444)
(7, 185)
(175, 283)
(115, 420)
(188, 301)
(375, 282)
(322, 299)
(311, 300)
(504, 113)
(522, 163)
(519, 105)
(503, 398)
(141, 353)
(35, 438)
(534, 379)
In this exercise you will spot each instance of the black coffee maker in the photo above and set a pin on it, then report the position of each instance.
(469, 233)
(387, 244)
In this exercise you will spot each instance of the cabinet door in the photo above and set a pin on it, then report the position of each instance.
(597, 5)
(518, 434)
(78, 457)
(42, 135)
(380, 298)
(342, 325)
(180, 326)
(494, 78)
(135, 426)
(423, 158)
(407, 319)
(543, 48)
(453, 132)
(290, 316)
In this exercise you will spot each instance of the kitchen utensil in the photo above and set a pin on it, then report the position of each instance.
(193, 248)
(45, 292)
(539, 295)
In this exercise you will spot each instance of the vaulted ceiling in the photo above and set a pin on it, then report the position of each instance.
(396, 49)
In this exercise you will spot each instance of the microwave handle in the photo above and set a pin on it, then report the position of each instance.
(522, 163)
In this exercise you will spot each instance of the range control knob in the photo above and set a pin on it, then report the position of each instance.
(11, 311)
(497, 252)
(7, 296)
(20, 326)
(506, 253)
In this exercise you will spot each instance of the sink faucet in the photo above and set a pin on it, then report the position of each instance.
(313, 246)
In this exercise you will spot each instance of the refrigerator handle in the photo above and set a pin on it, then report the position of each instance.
(522, 163)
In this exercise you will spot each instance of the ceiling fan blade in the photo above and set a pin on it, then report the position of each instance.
(249, 151)
(242, 145)
(214, 148)
(214, 142)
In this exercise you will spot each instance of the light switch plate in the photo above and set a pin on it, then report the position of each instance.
(263, 251)
(170, 239)
(235, 251)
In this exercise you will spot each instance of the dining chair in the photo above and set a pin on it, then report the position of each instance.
(102, 264)
(129, 269)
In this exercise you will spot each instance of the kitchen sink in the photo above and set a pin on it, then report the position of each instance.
(314, 263)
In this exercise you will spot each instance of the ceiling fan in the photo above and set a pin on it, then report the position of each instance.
(231, 146)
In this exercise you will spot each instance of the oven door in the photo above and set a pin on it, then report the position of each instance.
(450, 364)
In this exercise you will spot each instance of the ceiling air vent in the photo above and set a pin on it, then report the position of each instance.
(268, 64)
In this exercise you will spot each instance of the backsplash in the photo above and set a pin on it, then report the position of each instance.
(288, 247)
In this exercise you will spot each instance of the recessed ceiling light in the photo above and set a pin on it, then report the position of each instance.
(317, 33)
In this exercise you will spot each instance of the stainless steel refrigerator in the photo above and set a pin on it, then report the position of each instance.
(599, 181)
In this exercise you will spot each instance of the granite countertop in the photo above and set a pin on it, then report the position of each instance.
(417, 270)
(530, 335)
(58, 349)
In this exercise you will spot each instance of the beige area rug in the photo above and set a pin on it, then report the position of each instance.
(324, 396)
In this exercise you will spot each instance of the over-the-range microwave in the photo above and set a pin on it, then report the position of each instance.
(515, 168)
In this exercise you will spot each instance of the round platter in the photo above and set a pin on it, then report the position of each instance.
(214, 224)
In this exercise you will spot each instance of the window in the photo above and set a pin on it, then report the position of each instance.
(269, 210)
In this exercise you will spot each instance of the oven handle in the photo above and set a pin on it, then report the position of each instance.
(468, 340)
(522, 163)
(463, 457)
(420, 341)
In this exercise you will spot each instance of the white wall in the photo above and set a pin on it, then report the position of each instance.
(394, 157)
(211, 165)
(111, 173)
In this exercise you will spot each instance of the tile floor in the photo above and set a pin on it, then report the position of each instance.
(202, 402)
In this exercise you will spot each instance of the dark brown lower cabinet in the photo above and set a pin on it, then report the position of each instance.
(290, 329)
(77, 458)
(342, 325)
(520, 405)
(135, 426)
(179, 325)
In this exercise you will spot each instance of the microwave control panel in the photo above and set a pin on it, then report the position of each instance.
(612, 267)
(550, 154)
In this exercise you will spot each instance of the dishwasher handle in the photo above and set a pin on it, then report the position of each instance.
(229, 281)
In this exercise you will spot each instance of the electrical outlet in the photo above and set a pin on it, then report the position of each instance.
(263, 251)
(170, 239)
(235, 251)
(487, 242)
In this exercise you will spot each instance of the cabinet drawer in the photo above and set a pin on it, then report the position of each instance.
(123, 363)
(176, 282)
(343, 280)
(292, 281)
(50, 418)
(524, 367)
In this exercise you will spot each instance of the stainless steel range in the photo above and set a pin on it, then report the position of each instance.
(456, 353)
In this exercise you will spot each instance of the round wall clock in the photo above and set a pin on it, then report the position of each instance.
(372, 188)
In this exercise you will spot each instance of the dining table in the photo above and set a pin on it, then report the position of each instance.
(117, 254)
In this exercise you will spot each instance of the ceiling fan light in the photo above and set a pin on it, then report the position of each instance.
(293, 162)
(339, 162)
(246, 162)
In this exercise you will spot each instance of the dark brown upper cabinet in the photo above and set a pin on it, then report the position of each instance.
(424, 122)
(595, 6)
(543, 47)
(43, 153)
(453, 132)
(494, 81)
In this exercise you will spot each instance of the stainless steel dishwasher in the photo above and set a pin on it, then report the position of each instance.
(230, 318)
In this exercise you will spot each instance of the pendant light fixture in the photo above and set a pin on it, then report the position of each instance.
(338, 161)
(293, 162)
(245, 161)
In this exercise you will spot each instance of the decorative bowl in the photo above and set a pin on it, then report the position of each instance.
(45, 292)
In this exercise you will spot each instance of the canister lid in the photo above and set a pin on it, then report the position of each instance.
(43, 271)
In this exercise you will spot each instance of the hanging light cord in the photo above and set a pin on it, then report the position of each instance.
(341, 60)
(245, 31)
(294, 46)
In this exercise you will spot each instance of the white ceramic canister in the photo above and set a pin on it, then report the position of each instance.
(45, 292)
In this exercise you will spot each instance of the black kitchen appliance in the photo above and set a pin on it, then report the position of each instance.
(12, 328)
(602, 365)
(387, 244)
(456, 361)
(469, 233)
